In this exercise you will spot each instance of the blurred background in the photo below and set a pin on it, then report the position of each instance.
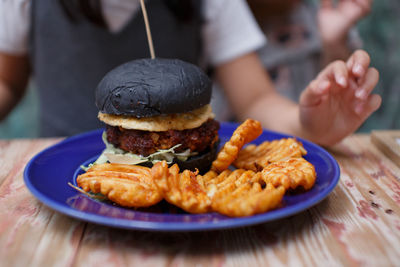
(379, 33)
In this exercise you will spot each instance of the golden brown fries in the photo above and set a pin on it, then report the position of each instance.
(126, 185)
(246, 132)
(237, 193)
(233, 193)
(256, 157)
(181, 189)
(243, 193)
(290, 173)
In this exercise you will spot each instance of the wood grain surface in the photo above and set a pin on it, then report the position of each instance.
(358, 224)
(387, 142)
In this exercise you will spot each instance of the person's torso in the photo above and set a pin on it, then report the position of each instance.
(69, 59)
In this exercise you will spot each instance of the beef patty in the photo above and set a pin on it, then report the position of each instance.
(146, 143)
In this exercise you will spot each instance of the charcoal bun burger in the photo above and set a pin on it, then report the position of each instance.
(158, 109)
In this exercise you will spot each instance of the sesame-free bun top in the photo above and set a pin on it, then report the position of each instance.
(153, 87)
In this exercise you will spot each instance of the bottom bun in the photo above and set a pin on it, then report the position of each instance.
(201, 162)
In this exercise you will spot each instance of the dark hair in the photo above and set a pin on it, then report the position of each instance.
(184, 10)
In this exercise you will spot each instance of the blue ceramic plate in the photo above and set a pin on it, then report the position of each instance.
(48, 173)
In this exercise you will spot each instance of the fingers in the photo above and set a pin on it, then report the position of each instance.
(313, 94)
(366, 103)
(367, 84)
(340, 73)
(358, 63)
(365, 108)
(352, 81)
(336, 72)
(365, 5)
(356, 68)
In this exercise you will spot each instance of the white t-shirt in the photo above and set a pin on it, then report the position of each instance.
(229, 31)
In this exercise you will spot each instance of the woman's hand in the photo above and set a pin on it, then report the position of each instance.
(339, 100)
(333, 106)
(336, 20)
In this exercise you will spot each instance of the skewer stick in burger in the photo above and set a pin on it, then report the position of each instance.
(158, 109)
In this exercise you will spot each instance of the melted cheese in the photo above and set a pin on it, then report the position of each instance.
(180, 121)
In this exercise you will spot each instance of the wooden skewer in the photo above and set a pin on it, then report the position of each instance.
(146, 22)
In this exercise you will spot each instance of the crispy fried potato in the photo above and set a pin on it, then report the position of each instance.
(232, 193)
(246, 132)
(126, 185)
(243, 193)
(256, 157)
(290, 173)
(249, 200)
(240, 192)
(181, 189)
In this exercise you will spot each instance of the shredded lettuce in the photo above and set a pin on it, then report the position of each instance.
(117, 155)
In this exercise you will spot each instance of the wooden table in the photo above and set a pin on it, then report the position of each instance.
(358, 224)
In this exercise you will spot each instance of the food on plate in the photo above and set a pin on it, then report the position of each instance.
(232, 193)
(126, 185)
(245, 133)
(243, 193)
(158, 109)
(181, 189)
(290, 173)
(248, 199)
(256, 157)
(253, 189)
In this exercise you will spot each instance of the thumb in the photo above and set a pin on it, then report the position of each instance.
(314, 93)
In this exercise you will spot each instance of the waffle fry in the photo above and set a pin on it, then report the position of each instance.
(126, 185)
(246, 132)
(243, 193)
(290, 173)
(232, 193)
(256, 157)
(181, 189)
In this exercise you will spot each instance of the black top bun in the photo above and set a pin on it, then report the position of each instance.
(152, 87)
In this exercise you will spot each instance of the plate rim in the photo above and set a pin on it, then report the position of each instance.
(229, 223)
